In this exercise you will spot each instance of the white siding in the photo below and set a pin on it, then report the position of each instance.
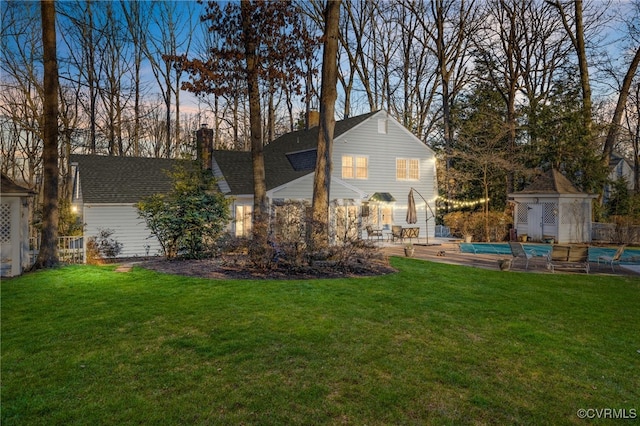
(383, 149)
(302, 189)
(130, 230)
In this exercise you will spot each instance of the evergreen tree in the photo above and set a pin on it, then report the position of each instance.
(191, 217)
(619, 203)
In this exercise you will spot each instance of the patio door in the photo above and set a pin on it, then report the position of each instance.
(534, 220)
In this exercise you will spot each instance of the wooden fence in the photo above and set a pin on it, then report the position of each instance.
(614, 233)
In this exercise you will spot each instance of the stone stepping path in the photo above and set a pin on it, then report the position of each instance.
(125, 267)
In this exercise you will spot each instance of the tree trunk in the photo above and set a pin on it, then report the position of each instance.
(577, 39)
(614, 128)
(319, 237)
(260, 207)
(167, 105)
(581, 51)
(48, 255)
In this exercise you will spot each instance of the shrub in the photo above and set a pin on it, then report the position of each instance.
(103, 247)
(189, 220)
(459, 223)
(491, 226)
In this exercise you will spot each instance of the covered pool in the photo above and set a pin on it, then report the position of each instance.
(630, 256)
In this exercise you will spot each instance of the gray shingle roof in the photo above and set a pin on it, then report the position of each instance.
(7, 186)
(551, 182)
(237, 167)
(122, 179)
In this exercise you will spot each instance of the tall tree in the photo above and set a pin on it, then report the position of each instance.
(21, 93)
(502, 61)
(576, 32)
(166, 45)
(260, 206)
(259, 44)
(616, 120)
(137, 25)
(455, 25)
(328, 95)
(84, 41)
(48, 254)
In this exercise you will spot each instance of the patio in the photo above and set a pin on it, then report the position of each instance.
(447, 251)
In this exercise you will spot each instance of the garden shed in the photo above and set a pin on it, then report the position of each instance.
(14, 227)
(551, 208)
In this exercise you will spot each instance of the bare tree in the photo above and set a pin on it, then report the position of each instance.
(84, 40)
(172, 40)
(356, 54)
(633, 40)
(137, 18)
(545, 55)
(448, 39)
(22, 92)
(574, 25)
(115, 59)
(633, 124)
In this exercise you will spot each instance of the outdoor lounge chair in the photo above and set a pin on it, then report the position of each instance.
(568, 257)
(518, 252)
(377, 233)
(612, 259)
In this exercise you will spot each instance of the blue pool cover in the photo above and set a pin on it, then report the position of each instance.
(630, 256)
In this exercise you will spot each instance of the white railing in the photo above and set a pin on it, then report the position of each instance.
(70, 249)
(442, 231)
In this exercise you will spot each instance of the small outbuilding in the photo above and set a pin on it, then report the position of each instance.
(551, 208)
(14, 227)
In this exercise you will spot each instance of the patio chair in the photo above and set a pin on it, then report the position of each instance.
(410, 233)
(518, 252)
(377, 233)
(612, 259)
(396, 232)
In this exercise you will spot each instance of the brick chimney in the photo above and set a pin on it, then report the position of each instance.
(204, 146)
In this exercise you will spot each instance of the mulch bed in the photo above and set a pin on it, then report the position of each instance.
(241, 269)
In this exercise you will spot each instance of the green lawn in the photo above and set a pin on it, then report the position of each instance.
(432, 344)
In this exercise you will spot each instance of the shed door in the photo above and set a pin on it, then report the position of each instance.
(534, 219)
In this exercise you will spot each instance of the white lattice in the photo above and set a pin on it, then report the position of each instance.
(549, 213)
(523, 213)
(5, 223)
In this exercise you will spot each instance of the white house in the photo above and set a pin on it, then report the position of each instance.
(106, 190)
(376, 161)
(619, 168)
(14, 227)
(551, 207)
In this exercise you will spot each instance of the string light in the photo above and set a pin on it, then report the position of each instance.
(457, 204)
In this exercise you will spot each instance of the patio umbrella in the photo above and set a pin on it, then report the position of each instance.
(412, 214)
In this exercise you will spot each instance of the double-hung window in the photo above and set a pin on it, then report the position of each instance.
(355, 167)
(407, 169)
